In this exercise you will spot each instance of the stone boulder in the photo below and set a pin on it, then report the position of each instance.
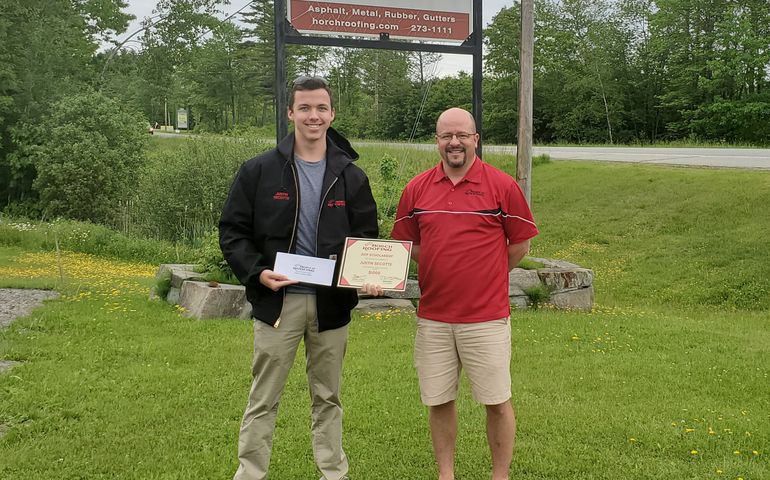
(371, 305)
(561, 278)
(570, 287)
(204, 300)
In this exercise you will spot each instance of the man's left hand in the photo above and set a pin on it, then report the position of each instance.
(372, 289)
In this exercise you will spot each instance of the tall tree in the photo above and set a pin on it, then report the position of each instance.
(37, 75)
(258, 53)
(213, 77)
(501, 83)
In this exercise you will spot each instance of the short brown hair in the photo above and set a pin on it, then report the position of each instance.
(309, 83)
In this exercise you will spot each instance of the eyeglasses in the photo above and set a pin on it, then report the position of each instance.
(462, 136)
(302, 80)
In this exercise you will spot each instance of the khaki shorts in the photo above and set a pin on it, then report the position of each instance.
(442, 350)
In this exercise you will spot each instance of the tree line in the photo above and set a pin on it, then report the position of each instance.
(606, 71)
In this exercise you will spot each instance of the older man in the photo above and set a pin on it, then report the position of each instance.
(470, 224)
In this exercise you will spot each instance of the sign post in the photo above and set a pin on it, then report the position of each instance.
(448, 21)
(441, 26)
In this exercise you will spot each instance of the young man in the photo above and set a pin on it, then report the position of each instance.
(470, 224)
(303, 197)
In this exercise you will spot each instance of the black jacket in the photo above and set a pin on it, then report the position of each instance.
(260, 218)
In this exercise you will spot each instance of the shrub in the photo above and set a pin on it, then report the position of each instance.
(541, 159)
(209, 259)
(387, 191)
(181, 192)
(163, 285)
(538, 295)
(91, 148)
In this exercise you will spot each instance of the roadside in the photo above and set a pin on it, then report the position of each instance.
(741, 158)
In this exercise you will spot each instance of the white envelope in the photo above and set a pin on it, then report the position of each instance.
(318, 271)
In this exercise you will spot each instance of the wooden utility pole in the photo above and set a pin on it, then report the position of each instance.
(524, 143)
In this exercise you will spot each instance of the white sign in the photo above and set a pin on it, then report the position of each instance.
(181, 118)
(449, 21)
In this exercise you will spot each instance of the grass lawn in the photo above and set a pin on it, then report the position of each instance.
(666, 378)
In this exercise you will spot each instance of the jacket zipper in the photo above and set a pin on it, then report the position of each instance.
(320, 209)
(318, 223)
(294, 229)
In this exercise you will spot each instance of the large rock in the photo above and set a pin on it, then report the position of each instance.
(382, 304)
(173, 266)
(571, 288)
(178, 277)
(173, 295)
(566, 278)
(200, 300)
(412, 291)
(520, 280)
(551, 263)
(520, 301)
(580, 299)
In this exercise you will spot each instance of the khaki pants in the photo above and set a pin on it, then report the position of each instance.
(274, 352)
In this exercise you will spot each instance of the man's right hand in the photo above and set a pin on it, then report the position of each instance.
(275, 281)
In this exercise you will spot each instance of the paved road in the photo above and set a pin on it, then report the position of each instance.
(707, 157)
(748, 158)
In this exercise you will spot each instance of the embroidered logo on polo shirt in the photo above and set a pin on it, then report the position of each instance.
(475, 193)
(281, 196)
(335, 203)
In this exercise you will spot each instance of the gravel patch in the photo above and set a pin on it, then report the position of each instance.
(18, 302)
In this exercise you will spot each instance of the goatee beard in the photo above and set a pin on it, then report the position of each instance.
(455, 163)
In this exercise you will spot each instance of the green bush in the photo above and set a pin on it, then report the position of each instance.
(181, 192)
(538, 295)
(91, 148)
(209, 259)
(163, 285)
(387, 191)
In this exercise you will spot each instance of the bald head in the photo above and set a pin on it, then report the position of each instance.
(456, 116)
(457, 140)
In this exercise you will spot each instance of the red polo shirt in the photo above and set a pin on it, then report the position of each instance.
(463, 232)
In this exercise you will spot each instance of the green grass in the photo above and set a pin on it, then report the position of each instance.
(115, 386)
(126, 388)
(159, 145)
(89, 238)
(659, 235)
(8, 256)
(653, 234)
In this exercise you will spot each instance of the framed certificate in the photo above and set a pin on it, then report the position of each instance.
(380, 262)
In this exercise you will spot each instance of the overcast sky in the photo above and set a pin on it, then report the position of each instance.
(449, 65)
